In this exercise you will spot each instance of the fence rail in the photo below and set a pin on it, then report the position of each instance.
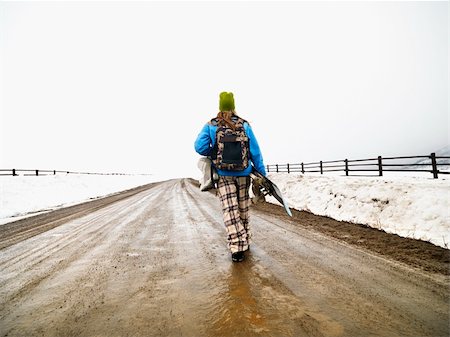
(432, 164)
(24, 172)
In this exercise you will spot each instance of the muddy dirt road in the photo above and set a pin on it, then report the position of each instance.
(155, 264)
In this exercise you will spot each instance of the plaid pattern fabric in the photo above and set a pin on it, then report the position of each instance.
(235, 200)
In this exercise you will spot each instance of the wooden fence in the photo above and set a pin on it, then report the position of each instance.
(17, 172)
(430, 164)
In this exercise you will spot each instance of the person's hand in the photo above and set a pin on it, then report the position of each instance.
(257, 181)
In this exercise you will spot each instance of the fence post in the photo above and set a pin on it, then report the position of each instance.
(303, 169)
(268, 169)
(434, 165)
(321, 168)
(54, 172)
(277, 167)
(37, 172)
(380, 166)
(14, 172)
(346, 167)
(289, 171)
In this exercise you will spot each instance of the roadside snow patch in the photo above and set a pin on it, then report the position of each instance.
(411, 207)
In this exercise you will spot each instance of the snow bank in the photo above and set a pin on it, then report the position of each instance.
(410, 207)
(23, 195)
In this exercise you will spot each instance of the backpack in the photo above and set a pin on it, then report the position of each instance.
(231, 150)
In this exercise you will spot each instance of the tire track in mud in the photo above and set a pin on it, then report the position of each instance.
(206, 270)
(42, 253)
(348, 283)
(56, 244)
(23, 229)
(93, 214)
(31, 275)
(192, 275)
(223, 305)
(143, 305)
(122, 280)
(256, 298)
(64, 240)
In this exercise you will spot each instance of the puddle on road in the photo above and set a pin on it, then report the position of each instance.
(253, 302)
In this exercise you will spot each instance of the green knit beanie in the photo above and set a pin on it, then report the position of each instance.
(226, 102)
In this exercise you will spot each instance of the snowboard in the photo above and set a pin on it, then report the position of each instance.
(268, 187)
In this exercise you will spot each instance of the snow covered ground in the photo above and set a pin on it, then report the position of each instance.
(24, 195)
(414, 207)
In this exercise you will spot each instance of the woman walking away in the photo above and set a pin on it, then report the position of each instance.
(229, 141)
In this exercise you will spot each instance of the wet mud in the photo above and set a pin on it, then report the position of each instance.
(415, 253)
(156, 264)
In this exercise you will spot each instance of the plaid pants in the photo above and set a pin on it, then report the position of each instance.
(235, 200)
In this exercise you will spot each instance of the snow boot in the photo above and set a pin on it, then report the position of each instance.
(237, 257)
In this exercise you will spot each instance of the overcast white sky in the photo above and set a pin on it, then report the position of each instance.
(119, 86)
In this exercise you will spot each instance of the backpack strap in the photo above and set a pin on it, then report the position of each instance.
(215, 121)
(213, 173)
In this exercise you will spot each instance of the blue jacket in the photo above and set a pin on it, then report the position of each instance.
(207, 139)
